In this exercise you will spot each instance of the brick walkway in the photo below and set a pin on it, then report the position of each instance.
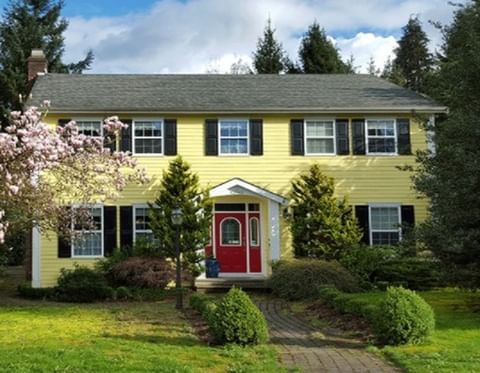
(310, 350)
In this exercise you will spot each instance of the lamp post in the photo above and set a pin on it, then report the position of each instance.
(177, 219)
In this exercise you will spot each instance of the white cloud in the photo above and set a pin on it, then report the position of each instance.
(196, 35)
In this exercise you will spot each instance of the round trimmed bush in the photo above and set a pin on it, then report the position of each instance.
(123, 293)
(82, 284)
(298, 279)
(237, 319)
(404, 317)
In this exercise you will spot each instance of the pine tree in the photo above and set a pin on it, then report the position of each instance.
(392, 73)
(450, 177)
(27, 25)
(322, 226)
(372, 68)
(413, 59)
(318, 55)
(180, 188)
(269, 56)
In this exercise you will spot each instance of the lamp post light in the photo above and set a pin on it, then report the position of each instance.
(177, 219)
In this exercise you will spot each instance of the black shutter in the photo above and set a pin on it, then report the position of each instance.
(126, 138)
(63, 122)
(297, 137)
(256, 137)
(109, 229)
(361, 213)
(403, 136)
(358, 133)
(408, 215)
(211, 137)
(341, 133)
(126, 226)
(64, 245)
(109, 140)
(170, 128)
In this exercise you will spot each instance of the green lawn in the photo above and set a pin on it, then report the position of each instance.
(114, 337)
(454, 346)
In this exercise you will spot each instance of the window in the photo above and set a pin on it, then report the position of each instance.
(230, 232)
(88, 242)
(233, 137)
(142, 224)
(254, 232)
(148, 137)
(90, 127)
(381, 136)
(320, 137)
(384, 225)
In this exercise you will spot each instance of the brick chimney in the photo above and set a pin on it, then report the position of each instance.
(36, 63)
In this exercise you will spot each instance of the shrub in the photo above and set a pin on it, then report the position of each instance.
(82, 284)
(26, 291)
(143, 272)
(403, 317)
(123, 293)
(237, 319)
(363, 261)
(301, 278)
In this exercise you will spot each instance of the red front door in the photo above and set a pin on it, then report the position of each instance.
(231, 245)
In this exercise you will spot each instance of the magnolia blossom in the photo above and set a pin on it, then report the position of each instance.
(43, 169)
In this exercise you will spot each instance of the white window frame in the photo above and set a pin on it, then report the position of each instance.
(134, 216)
(258, 244)
(72, 245)
(161, 120)
(95, 119)
(239, 233)
(368, 152)
(386, 205)
(219, 132)
(306, 137)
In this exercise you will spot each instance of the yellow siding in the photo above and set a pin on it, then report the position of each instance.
(363, 179)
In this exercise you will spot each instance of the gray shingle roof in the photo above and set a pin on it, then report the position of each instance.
(225, 94)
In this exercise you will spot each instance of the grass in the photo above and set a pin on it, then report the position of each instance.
(114, 337)
(455, 344)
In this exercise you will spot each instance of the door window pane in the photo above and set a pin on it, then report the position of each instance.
(230, 231)
(254, 232)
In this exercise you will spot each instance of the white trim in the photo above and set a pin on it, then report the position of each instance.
(219, 127)
(134, 217)
(36, 255)
(91, 119)
(239, 232)
(384, 205)
(162, 137)
(274, 231)
(334, 137)
(236, 187)
(367, 152)
(102, 231)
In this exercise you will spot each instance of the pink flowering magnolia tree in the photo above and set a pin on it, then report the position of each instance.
(43, 169)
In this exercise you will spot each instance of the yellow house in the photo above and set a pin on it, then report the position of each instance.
(246, 136)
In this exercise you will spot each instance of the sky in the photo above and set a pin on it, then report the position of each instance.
(198, 36)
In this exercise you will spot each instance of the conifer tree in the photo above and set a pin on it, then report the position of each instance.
(269, 56)
(372, 68)
(27, 25)
(322, 226)
(413, 59)
(180, 188)
(318, 55)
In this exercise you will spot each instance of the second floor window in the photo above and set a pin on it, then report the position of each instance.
(90, 127)
(148, 137)
(320, 137)
(381, 136)
(233, 137)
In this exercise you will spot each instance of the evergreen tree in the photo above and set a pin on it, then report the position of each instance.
(450, 177)
(322, 226)
(318, 55)
(372, 69)
(392, 73)
(413, 59)
(180, 188)
(269, 56)
(27, 25)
